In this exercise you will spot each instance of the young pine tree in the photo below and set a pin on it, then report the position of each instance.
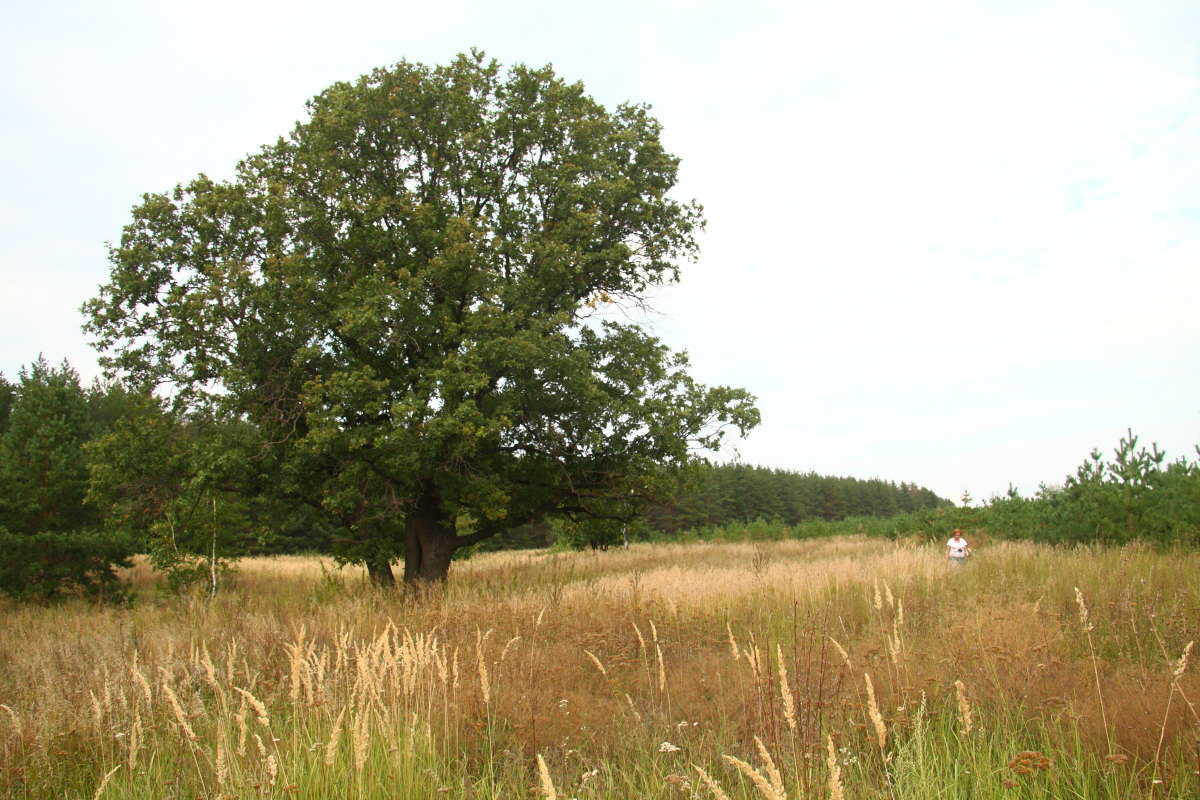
(51, 540)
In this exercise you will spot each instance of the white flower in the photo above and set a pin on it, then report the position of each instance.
(667, 747)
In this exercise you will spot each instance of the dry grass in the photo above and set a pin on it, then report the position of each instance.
(537, 668)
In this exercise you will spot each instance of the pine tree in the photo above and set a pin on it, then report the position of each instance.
(51, 540)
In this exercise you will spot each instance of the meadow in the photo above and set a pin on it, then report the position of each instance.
(845, 667)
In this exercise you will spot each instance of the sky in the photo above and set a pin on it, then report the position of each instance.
(950, 243)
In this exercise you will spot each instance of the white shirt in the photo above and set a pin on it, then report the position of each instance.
(958, 548)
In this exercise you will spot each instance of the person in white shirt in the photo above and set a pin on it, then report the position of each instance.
(956, 549)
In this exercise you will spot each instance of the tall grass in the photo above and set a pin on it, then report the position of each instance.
(847, 667)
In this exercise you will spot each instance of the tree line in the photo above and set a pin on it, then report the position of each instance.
(723, 494)
(1131, 494)
(731, 498)
(92, 475)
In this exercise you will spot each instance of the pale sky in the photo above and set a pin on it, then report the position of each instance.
(951, 243)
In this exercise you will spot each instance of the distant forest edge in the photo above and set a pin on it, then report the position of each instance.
(1134, 495)
(730, 496)
(738, 493)
(91, 475)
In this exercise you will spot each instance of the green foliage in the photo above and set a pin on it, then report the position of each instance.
(531, 536)
(1135, 495)
(52, 541)
(716, 496)
(167, 479)
(595, 534)
(44, 564)
(929, 524)
(44, 477)
(404, 299)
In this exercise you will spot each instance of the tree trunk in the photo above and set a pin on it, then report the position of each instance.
(429, 542)
(380, 571)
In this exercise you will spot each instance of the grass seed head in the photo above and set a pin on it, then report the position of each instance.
(1084, 619)
(785, 690)
(717, 792)
(876, 717)
(757, 778)
(842, 652)
(1183, 662)
(141, 680)
(13, 716)
(772, 771)
(260, 710)
(135, 736)
(485, 687)
(508, 645)
(597, 662)
(362, 738)
(97, 711)
(221, 769)
(180, 717)
(243, 728)
(335, 737)
(544, 779)
(662, 669)
(835, 771)
(964, 707)
(104, 782)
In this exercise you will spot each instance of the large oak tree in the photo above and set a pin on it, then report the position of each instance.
(407, 297)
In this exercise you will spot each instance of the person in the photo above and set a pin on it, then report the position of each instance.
(956, 549)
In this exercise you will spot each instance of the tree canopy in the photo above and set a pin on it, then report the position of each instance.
(406, 298)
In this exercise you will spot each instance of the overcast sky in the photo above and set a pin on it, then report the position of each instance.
(951, 243)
